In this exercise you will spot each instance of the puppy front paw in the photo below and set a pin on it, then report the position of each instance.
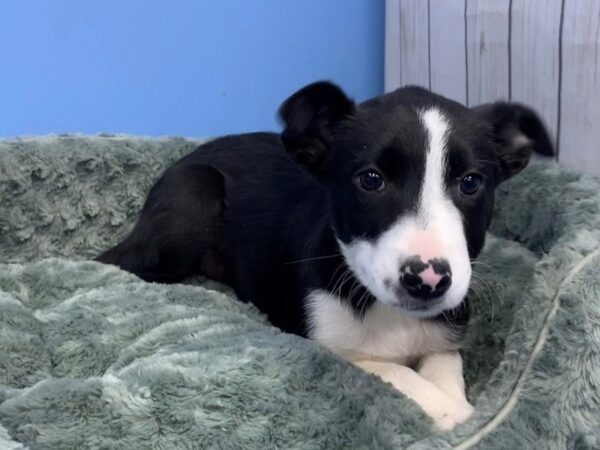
(452, 414)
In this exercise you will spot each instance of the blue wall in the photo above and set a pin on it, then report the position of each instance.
(179, 67)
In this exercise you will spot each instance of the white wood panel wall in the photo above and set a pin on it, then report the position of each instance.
(487, 50)
(544, 53)
(447, 49)
(414, 43)
(534, 67)
(579, 133)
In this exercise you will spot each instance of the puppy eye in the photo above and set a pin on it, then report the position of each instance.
(370, 180)
(471, 183)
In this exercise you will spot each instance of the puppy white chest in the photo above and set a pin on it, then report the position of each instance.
(382, 333)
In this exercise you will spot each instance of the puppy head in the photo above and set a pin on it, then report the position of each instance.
(410, 178)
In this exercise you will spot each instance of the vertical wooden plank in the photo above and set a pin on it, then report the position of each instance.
(447, 47)
(487, 50)
(535, 71)
(579, 138)
(392, 45)
(414, 43)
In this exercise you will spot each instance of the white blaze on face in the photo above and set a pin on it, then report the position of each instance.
(435, 231)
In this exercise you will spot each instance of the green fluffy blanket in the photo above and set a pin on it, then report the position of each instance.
(92, 357)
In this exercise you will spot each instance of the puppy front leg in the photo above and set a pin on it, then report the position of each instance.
(436, 403)
(445, 370)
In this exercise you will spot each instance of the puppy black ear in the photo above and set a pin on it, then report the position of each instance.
(309, 117)
(518, 132)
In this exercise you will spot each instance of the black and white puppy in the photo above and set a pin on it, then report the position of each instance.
(355, 227)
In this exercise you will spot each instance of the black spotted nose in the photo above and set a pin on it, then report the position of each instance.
(425, 280)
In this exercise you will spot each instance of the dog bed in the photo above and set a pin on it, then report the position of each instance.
(92, 357)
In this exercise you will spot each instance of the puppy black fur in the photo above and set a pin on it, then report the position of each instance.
(264, 212)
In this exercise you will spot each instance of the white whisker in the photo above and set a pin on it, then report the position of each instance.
(313, 259)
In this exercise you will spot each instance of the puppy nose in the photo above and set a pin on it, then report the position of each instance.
(426, 280)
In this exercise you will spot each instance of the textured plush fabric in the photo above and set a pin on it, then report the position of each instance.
(92, 357)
